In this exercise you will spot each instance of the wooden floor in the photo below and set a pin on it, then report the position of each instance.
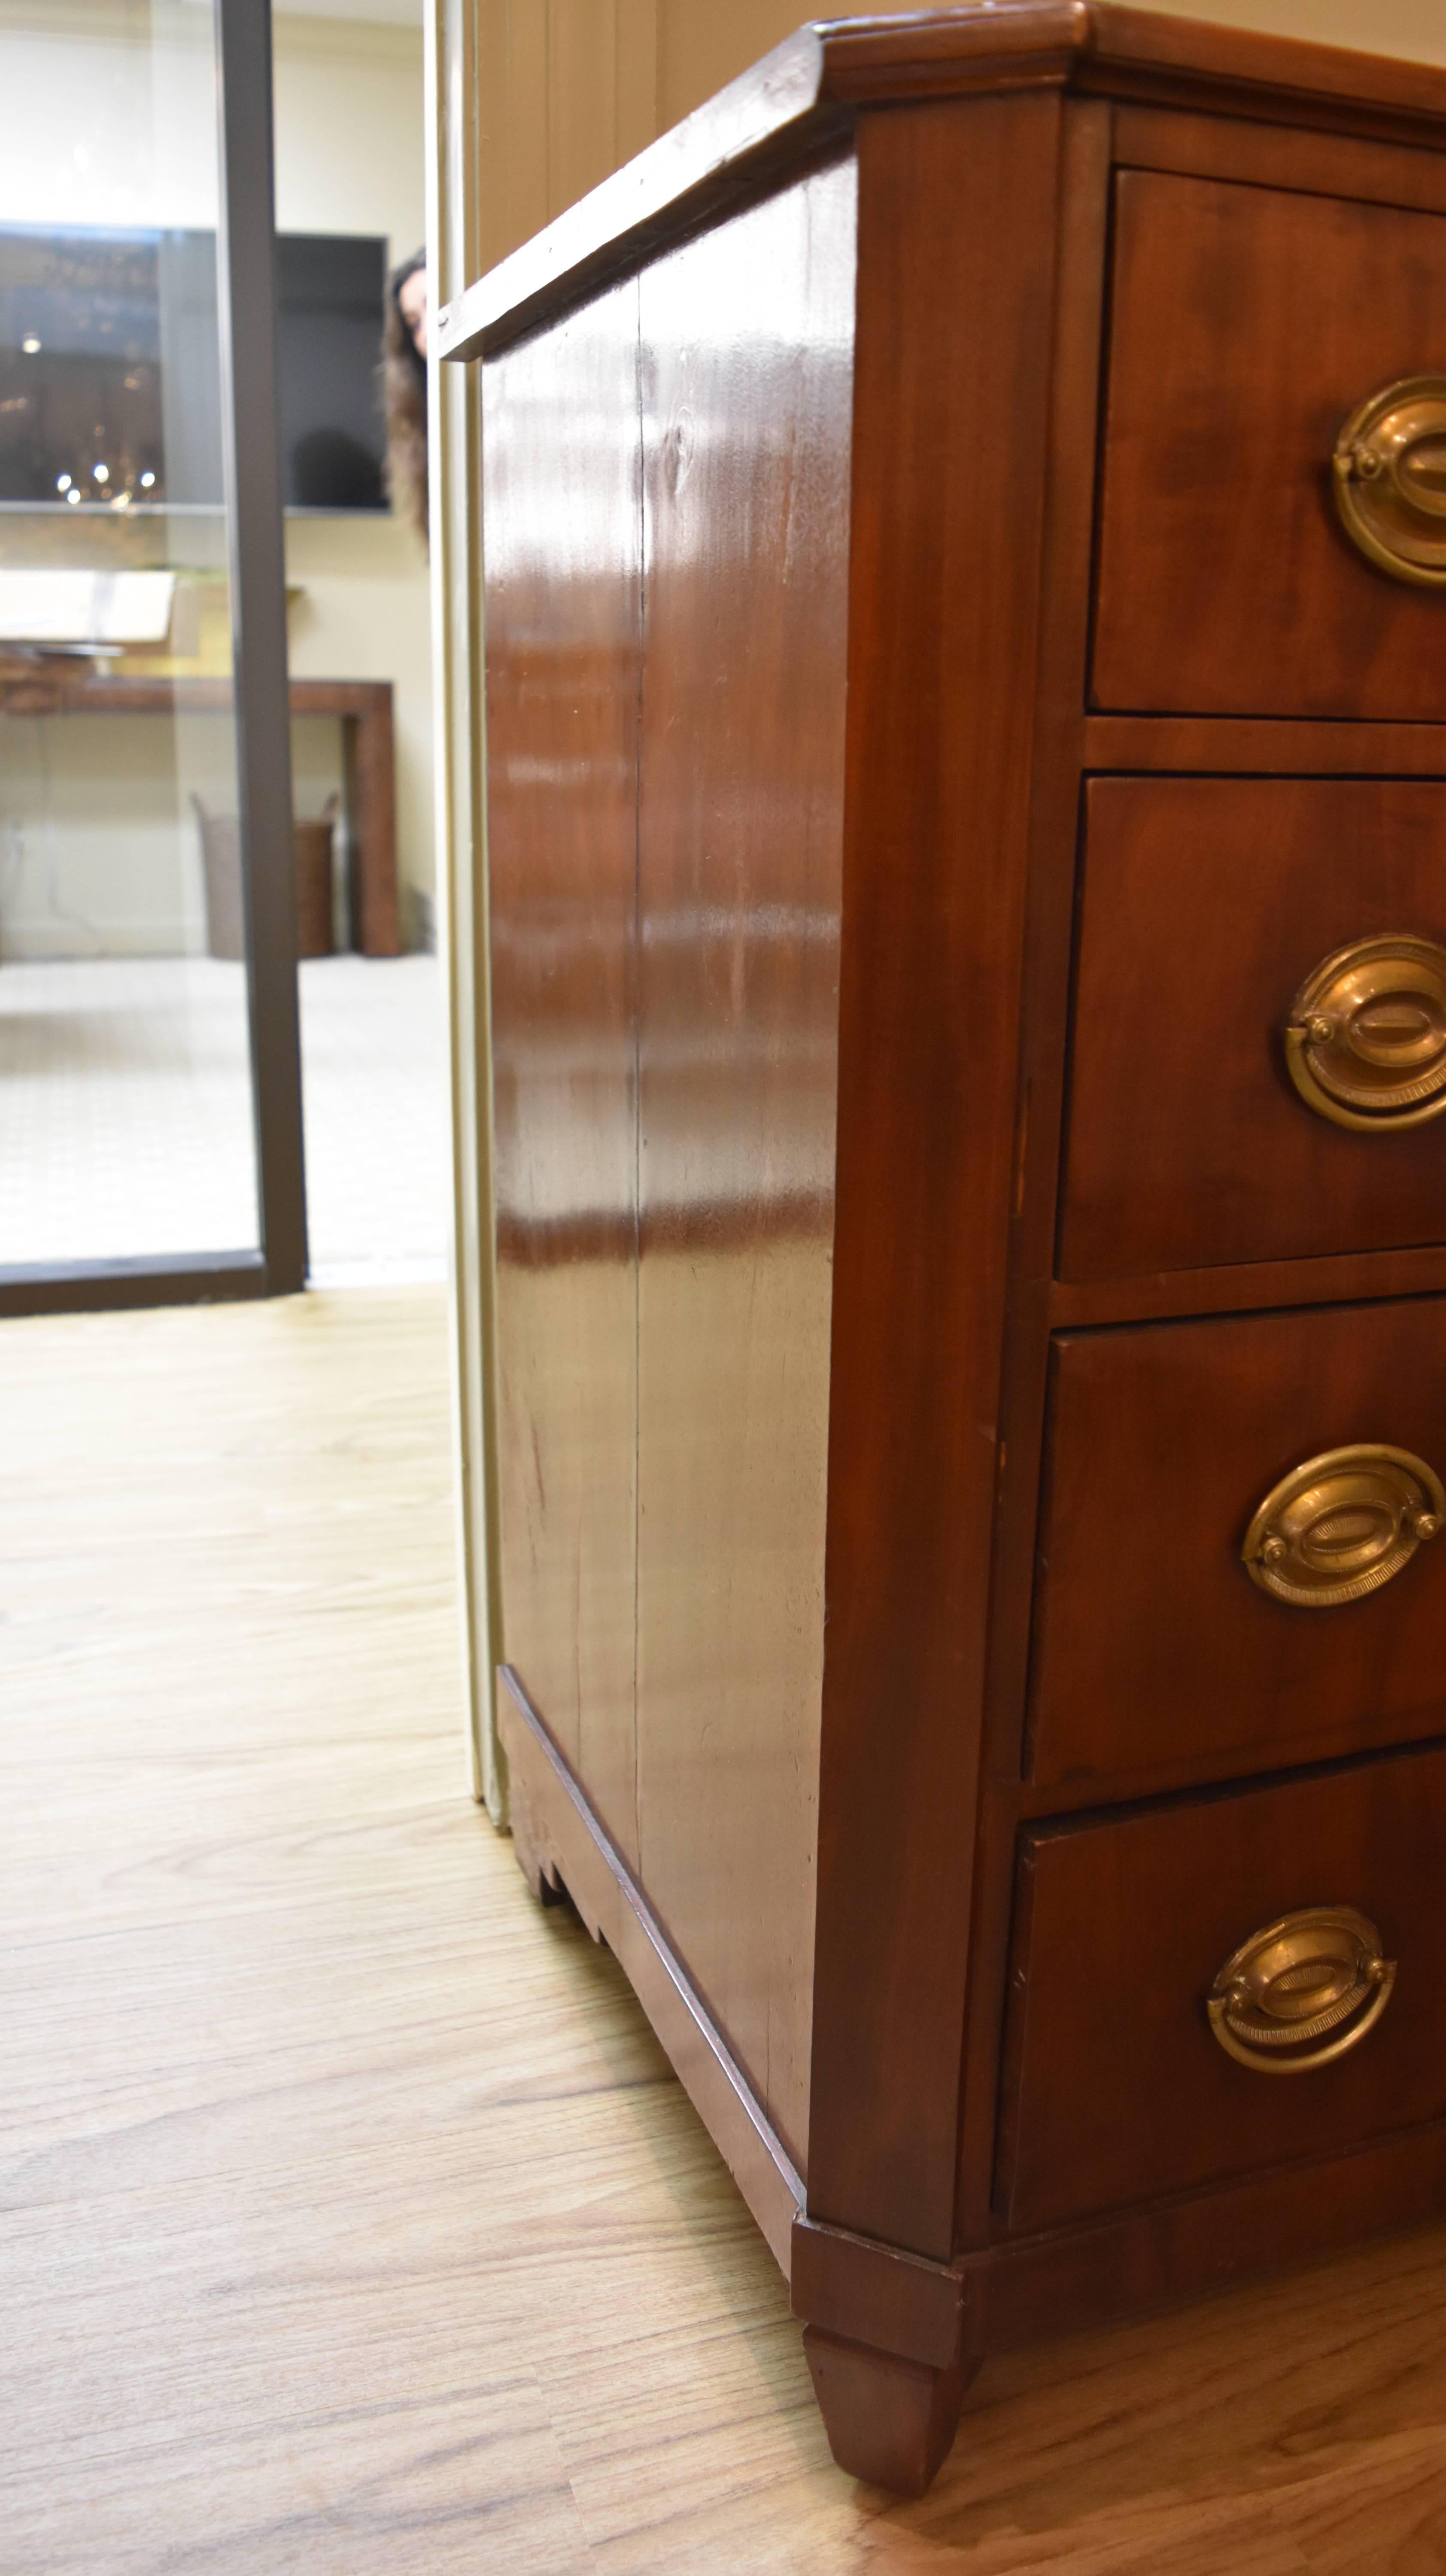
(351, 2220)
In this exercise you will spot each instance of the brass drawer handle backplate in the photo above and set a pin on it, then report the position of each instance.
(1342, 1524)
(1365, 1043)
(1317, 1975)
(1390, 478)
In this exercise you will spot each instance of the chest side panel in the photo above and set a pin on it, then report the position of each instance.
(747, 387)
(563, 603)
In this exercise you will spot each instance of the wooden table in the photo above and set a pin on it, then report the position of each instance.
(67, 687)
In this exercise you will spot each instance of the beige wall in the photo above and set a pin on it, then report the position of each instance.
(350, 157)
(1415, 28)
(569, 89)
(99, 126)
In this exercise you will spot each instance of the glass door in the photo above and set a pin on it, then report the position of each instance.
(150, 1135)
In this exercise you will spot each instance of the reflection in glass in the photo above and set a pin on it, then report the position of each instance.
(110, 367)
(125, 1078)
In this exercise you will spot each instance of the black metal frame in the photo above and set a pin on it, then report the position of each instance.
(246, 297)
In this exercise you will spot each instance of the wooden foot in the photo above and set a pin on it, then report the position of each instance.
(537, 1854)
(888, 2421)
(530, 1843)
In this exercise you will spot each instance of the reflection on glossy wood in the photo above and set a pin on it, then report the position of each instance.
(917, 839)
(1247, 323)
(1157, 1658)
(58, 687)
(563, 607)
(711, 1382)
(1206, 902)
(747, 365)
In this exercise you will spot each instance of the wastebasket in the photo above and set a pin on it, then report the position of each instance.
(221, 862)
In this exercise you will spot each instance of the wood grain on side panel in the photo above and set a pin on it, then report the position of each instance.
(747, 375)
(957, 224)
(562, 605)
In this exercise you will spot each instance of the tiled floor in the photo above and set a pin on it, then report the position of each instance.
(125, 1112)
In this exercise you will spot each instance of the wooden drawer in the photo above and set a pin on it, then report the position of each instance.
(1207, 904)
(1116, 2087)
(1157, 1657)
(1248, 325)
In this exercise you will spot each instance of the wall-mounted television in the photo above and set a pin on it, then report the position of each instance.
(110, 377)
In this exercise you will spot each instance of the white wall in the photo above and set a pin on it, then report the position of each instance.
(101, 122)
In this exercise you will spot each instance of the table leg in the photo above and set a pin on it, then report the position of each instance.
(368, 756)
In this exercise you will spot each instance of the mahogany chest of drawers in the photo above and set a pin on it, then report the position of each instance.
(965, 528)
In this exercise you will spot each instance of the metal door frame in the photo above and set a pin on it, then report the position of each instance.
(246, 302)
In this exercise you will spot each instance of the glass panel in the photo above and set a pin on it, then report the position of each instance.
(350, 211)
(125, 1074)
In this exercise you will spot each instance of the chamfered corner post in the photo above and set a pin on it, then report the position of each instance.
(956, 297)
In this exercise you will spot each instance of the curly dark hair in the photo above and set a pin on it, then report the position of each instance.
(404, 391)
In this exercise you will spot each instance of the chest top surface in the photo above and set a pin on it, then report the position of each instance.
(801, 97)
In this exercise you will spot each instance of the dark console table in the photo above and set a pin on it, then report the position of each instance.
(66, 687)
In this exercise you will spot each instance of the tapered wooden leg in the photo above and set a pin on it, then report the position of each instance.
(888, 2421)
(536, 1847)
(529, 1842)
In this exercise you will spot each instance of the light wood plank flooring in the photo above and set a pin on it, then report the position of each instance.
(351, 2219)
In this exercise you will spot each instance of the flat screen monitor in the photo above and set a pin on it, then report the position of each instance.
(110, 376)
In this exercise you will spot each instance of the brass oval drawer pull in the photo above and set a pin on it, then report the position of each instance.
(1342, 1524)
(1390, 478)
(1365, 1043)
(1313, 1974)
